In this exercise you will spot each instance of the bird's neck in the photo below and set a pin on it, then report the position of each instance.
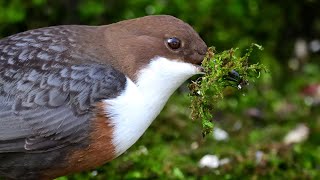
(133, 111)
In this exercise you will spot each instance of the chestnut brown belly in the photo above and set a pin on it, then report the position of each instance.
(99, 151)
(95, 151)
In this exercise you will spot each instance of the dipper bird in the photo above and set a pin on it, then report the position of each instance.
(75, 97)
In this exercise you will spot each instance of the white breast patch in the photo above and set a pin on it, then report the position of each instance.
(132, 112)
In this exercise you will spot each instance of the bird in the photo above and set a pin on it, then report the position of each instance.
(74, 97)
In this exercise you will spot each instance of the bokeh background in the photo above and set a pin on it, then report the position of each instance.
(269, 130)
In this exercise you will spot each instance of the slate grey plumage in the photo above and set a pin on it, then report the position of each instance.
(47, 87)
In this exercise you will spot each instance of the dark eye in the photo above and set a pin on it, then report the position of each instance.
(174, 43)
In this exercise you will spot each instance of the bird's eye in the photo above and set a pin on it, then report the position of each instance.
(174, 43)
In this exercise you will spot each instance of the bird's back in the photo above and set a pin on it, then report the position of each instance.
(49, 92)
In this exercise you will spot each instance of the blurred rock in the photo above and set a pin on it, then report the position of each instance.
(220, 134)
(300, 54)
(284, 108)
(142, 150)
(224, 161)
(293, 64)
(297, 135)
(237, 126)
(194, 145)
(301, 49)
(314, 45)
(94, 173)
(254, 113)
(212, 161)
(259, 156)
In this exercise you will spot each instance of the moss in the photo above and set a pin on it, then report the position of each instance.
(223, 69)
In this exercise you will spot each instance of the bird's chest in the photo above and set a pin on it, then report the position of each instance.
(131, 114)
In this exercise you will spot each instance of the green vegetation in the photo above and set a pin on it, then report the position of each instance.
(256, 118)
(219, 70)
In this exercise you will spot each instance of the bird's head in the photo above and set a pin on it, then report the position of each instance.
(169, 44)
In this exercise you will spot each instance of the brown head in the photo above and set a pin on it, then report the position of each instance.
(133, 43)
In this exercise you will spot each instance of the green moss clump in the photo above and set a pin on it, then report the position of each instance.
(219, 69)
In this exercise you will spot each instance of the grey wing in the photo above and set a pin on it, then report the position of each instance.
(45, 96)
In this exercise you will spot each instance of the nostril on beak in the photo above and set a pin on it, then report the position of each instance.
(198, 55)
(202, 51)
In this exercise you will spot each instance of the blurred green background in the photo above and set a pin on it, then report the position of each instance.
(252, 127)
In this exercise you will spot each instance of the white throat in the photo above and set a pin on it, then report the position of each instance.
(133, 111)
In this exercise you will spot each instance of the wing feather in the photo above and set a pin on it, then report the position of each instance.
(47, 89)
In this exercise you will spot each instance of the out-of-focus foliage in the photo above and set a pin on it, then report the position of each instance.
(256, 119)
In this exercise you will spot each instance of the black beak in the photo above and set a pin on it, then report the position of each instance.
(200, 69)
(233, 76)
(235, 80)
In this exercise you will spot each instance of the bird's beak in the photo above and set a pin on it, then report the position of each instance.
(235, 80)
(233, 76)
(200, 69)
